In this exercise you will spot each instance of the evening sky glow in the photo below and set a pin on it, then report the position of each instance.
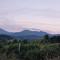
(17, 15)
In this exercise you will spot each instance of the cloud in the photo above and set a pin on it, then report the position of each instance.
(19, 23)
(16, 19)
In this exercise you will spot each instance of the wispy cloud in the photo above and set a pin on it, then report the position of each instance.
(16, 15)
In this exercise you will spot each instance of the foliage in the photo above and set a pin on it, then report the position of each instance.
(44, 49)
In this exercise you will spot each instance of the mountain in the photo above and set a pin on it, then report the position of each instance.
(3, 32)
(26, 34)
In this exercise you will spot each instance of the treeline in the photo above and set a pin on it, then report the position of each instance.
(47, 48)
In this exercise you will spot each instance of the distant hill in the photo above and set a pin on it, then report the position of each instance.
(5, 37)
(26, 34)
(3, 31)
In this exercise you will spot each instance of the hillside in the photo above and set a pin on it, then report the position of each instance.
(26, 34)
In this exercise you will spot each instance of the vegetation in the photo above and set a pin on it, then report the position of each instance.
(47, 48)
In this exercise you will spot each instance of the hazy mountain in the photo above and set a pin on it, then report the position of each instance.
(3, 31)
(26, 34)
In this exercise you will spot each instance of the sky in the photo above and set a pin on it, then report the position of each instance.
(18, 15)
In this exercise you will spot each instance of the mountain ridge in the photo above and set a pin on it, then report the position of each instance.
(25, 34)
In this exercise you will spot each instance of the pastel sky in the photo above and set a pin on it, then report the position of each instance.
(17, 15)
